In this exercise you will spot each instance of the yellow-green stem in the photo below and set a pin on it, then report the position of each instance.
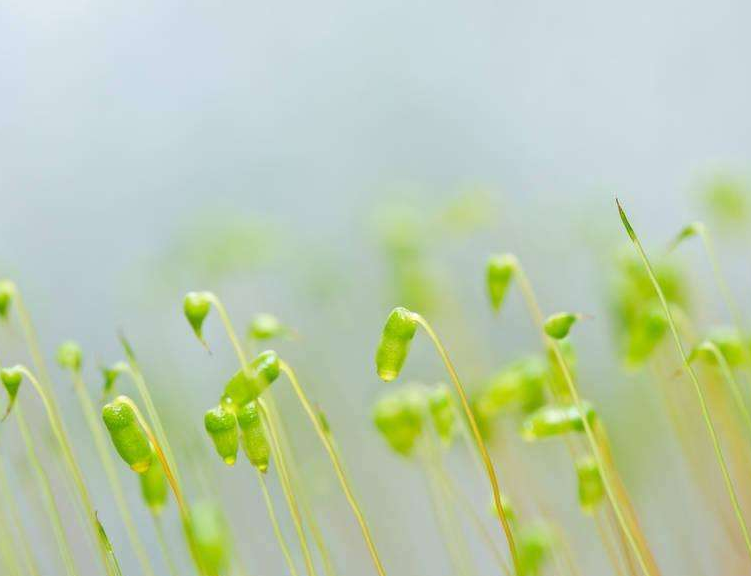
(338, 469)
(28, 556)
(275, 524)
(488, 463)
(735, 391)
(695, 381)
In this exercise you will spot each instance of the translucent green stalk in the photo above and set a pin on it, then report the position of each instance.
(100, 442)
(608, 482)
(275, 524)
(29, 560)
(487, 462)
(169, 560)
(281, 467)
(692, 375)
(71, 463)
(45, 487)
(335, 461)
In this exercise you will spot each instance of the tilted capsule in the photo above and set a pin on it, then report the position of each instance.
(154, 488)
(554, 420)
(591, 490)
(70, 356)
(399, 418)
(253, 435)
(559, 325)
(499, 272)
(221, 425)
(442, 412)
(211, 535)
(393, 348)
(11, 378)
(129, 438)
(246, 387)
(196, 306)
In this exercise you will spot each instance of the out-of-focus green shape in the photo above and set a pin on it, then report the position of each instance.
(727, 198)
(731, 344)
(398, 416)
(536, 543)
(640, 321)
(554, 420)
(469, 212)
(154, 489)
(442, 412)
(558, 381)
(591, 489)
(211, 536)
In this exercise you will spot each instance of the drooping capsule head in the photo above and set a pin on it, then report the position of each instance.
(442, 412)
(246, 387)
(211, 535)
(253, 434)
(558, 325)
(591, 489)
(70, 356)
(499, 272)
(265, 327)
(130, 440)
(11, 378)
(553, 420)
(221, 426)
(399, 418)
(7, 292)
(154, 488)
(396, 338)
(196, 306)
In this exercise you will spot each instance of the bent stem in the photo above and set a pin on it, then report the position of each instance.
(73, 468)
(275, 524)
(727, 373)
(229, 329)
(694, 379)
(489, 469)
(108, 464)
(286, 487)
(335, 461)
(628, 528)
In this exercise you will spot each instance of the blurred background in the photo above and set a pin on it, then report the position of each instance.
(325, 162)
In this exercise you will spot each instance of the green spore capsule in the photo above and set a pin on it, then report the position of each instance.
(535, 544)
(730, 344)
(591, 490)
(552, 420)
(154, 488)
(442, 412)
(559, 325)
(393, 348)
(196, 306)
(212, 537)
(11, 378)
(246, 387)
(221, 425)
(499, 272)
(399, 418)
(253, 435)
(7, 291)
(129, 438)
(70, 356)
(265, 327)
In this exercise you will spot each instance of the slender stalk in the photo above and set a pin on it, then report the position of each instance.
(333, 456)
(162, 541)
(287, 487)
(608, 483)
(488, 463)
(694, 379)
(7, 548)
(95, 427)
(275, 524)
(29, 560)
(45, 487)
(229, 329)
(70, 460)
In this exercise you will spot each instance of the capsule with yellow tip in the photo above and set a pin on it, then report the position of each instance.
(221, 425)
(396, 338)
(246, 387)
(154, 488)
(591, 489)
(196, 306)
(559, 325)
(553, 420)
(499, 272)
(129, 438)
(253, 435)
